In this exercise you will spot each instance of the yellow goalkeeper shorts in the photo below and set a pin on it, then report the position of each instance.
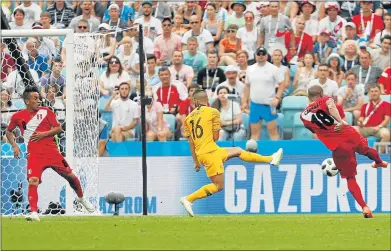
(213, 161)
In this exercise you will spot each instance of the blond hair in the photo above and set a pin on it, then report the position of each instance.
(348, 43)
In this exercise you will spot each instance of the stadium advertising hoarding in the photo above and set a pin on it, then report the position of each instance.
(296, 186)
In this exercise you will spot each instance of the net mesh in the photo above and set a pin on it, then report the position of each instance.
(48, 70)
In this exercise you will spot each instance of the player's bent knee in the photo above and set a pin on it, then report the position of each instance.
(34, 181)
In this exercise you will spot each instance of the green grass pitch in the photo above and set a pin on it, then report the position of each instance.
(314, 232)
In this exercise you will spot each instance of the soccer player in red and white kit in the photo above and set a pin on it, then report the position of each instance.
(38, 126)
(322, 118)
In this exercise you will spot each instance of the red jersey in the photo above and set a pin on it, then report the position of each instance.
(185, 107)
(385, 80)
(306, 46)
(168, 95)
(383, 109)
(378, 24)
(316, 118)
(38, 121)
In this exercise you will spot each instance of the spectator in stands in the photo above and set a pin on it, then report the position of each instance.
(148, 44)
(375, 116)
(54, 78)
(323, 47)
(190, 8)
(178, 27)
(330, 87)
(261, 80)
(93, 22)
(19, 23)
(7, 63)
(106, 45)
(304, 75)
(242, 60)
(113, 77)
(303, 42)
(333, 23)
(237, 16)
(151, 74)
(152, 26)
(31, 10)
(307, 8)
(229, 46)
(194, 58)
(381, 57)
(211, 75)
(351, 32)
(185, 108)
(166, 43)
(264, 10)
(350, 54)
(15, 82)
(272, 26)
(349, 9)
(168, 94)
(157, 125)
(212, 23)
(386, 31)
(351, 96)
(160, 10)
(335, 63)
(6, 105)
(385, 81)
(115, 23)
(128, 58)
(45, 46)
(221, 11)
(277, 56)
(230, 116)
(366, 72)
(6, 11)
(234, 85)
(54, 101)
(45, 20)
(97, 9)
(125, 113)
(35, 60)
(127, 13)
(248, 35)
(289, 8)
(361, 20)
(61, 14)
(180, 71)
(204, 37)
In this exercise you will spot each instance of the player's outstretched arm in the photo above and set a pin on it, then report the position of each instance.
(11, 140)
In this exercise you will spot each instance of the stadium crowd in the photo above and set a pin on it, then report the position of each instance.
(255, 59)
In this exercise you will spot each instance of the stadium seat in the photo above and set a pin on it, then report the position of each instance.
(102, 102)
(290, 106)
(293, 69)
(299, 131)
(18, 103)
(280, 128)
(246, 124)
(349, 117)
(366, 99)
(172, 121)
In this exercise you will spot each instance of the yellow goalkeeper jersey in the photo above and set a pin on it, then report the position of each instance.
(200, 125)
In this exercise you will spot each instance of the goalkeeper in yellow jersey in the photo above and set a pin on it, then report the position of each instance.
(202, 128)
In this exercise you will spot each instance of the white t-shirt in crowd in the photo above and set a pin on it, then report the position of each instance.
(311, 26)
(249, 40)
(262, 81)
(148, 46)
(203, 39)
(15, 82)
(239, 87)
(152, 29)
(325, 24)
(330, 88)
(379, 36)
(114, 80)
(124, 112)
(32, 13)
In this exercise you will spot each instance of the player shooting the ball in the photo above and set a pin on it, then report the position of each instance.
(202, 127)
(322, 118)
(38, 126)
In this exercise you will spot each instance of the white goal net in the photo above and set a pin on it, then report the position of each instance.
(70, 86)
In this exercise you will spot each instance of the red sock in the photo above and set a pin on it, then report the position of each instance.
(374, 155)
(74, 182)
(33, 197)
(356, 191)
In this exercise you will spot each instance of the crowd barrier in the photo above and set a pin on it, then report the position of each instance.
(296, 186)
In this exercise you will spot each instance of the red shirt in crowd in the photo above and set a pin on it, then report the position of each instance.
(168, 95)
(185, 108)
(7, 63)
(385, 80)
(378, 116)
(307, 45)
(378, 24)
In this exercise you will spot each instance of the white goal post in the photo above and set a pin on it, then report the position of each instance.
(77, 88)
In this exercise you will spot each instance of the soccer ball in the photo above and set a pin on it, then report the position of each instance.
(252, 146)
(329, 168)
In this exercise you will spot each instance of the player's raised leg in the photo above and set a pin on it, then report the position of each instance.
(344, 158)
(273, 159)
(371, 153)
